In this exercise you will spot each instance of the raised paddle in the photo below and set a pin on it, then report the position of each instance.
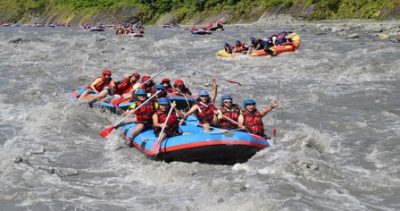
(274, 130)
(156, 147)
(229, 81)
(107, 131)
(117, 101)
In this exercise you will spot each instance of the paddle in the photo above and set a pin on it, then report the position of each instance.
(274, 131)
(229, 81)
(107, 131)
(117, 101)
(156, 147)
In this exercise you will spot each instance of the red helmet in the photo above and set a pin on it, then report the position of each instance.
(165, 80)
(106, 72)
(178, 82)
(145, 78)
(137, 75)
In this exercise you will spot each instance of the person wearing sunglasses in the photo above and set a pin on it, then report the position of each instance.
(204, 108)
(251, 118)
(228, 115)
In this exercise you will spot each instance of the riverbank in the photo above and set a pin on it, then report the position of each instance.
(199, 12)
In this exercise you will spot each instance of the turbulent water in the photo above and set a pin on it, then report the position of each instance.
(339, 123)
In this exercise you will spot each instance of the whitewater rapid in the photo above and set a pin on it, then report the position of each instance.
(338, 123)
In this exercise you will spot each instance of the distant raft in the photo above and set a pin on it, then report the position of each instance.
(201, 32)
(102, 103)
(194, 145)
(277, 49)
(223, 53)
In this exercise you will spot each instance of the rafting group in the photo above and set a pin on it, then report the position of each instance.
(171, 111)
(202, 30)
(130, 30)
(270, 45)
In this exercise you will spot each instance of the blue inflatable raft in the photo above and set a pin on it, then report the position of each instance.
(217, 146)
(102, 103)
(182, 102)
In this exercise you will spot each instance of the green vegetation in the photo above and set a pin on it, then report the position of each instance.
(150, 11)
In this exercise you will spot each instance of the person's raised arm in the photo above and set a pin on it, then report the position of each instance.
(191, 111)
(269, 108)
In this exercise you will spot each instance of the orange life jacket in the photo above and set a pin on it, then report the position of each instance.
(205, 113)
(172, 125)
(253, 122)
(233, 114)
(100, 86)
(240, 48)
(145, 113)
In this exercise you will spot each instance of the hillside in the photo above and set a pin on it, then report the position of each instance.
(187, 11)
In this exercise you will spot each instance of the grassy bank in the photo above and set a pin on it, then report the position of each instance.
(185, 11)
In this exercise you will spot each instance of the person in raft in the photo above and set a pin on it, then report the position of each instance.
(204, 108)
(251, 118)
(160, 119)
(240, 47)
(103, 85)
(228, 114)
(258, 44)
(228, 48)
(180, 88)
(148, 85)
(143, 117)
(127, 85)
(167, 84)
(162, 93)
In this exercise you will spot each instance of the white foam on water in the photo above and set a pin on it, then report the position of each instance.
(334, 141)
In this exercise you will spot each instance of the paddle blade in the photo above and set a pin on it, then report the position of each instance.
(156, 148)
(274, 132)
(234, 82)
(104, 133)
(117, 101)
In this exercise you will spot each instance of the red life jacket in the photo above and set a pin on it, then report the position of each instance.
(172, 124)
(124, 86)
(240, 48)
(253, 122)
(170, 90)
(100, 86)
(205, 113)
(145, 113)
(232, 114)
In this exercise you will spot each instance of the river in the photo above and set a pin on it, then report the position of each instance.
(338, 123)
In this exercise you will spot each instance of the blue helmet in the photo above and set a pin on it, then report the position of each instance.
(163, 101)
(160, 87)
(226, 97)
(203, 93)
(249, 102)
(238, 42)
(141, 92)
